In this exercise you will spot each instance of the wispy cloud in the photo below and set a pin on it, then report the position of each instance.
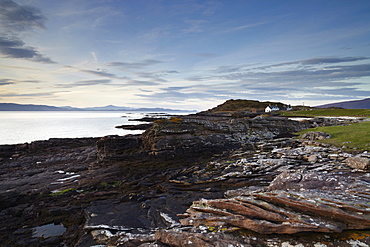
(133, 75)
(101, 74)
(87, 15)
(321, 79)
(107, 82)
(228, 69)
(98, 72)
(19, 67)
(175, 95)
(153, 76)
(283, 73)
(134, 65)
(19, 95)
(91, 82)
(247, 26)
(140, 83)
(139, 70)
(220, 92)
(83, 83)
(321, 60)
(13, 81)
(194, 26)
(6, 82)
(324, 60)
(348, 91)
(155, 34)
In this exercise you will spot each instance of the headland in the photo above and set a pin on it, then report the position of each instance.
(234, 177)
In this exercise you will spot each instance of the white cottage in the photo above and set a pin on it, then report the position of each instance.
(271, 108)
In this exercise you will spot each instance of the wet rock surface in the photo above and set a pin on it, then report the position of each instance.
(124, 191)
(135, 126)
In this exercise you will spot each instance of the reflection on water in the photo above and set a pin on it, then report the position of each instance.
(27, 126)
(20, 127)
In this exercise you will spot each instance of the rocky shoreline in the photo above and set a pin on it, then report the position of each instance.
(197, 180)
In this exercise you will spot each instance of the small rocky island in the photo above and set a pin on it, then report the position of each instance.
(228, 176)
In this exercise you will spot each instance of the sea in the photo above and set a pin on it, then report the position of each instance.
(18, 127)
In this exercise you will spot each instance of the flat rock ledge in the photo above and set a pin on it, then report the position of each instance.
(277, 195)
(294, 202)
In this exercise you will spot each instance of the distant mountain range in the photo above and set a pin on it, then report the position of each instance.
(21, 107)
(354, 104)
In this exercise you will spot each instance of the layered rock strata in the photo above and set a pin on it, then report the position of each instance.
(294, 202)
(270, 195)
(192, 135)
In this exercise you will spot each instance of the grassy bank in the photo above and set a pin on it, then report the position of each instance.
(354, 136)
(330, 112)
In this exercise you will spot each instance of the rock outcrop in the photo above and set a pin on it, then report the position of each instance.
(194, 135)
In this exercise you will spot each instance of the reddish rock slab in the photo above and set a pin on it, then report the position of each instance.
(294, 202)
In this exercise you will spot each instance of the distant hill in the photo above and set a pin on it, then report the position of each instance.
(109, 108)
(241, 105)
(21, 107)
(354, 104)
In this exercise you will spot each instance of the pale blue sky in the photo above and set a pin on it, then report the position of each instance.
(183, 54)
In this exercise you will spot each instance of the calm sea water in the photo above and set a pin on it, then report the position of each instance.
(27, 126)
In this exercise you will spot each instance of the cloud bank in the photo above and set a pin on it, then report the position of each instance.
(313, 79)
(15, 48)
(16, 19)
(20, 18)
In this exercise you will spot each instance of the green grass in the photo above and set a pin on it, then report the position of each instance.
(356, 135)
(57, 193)
(329, 112)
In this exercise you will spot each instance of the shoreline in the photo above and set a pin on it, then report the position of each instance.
(50, 139)
(187, 178)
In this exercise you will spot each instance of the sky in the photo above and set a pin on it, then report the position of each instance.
(183, 54)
